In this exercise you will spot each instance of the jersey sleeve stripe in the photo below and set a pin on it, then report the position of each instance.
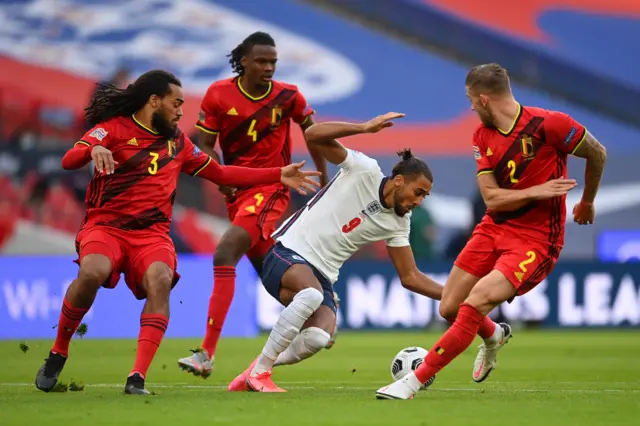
(484, 172)
(323, 191)
(285, 226)
(206, 129)
(201, 168)
(305, 119)
(81, 142)
(584, 135)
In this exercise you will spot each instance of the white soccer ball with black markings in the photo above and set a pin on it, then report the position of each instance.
(406, 361)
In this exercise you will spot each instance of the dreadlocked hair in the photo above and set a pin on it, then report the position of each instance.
(257, 38)
(110, 101)
(410, 165)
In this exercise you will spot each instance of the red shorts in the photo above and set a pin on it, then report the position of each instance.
(258, 210)
(524, 261)
(130, 253)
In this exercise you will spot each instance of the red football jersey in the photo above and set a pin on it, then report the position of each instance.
(532, 152)
(141, 191)
(253, 132)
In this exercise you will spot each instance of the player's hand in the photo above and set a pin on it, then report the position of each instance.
(103, 159)
(584, 213)
(298, 179)
(227, 191)
(553, 188)
(381, 122)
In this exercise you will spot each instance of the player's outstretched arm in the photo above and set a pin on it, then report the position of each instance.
(77, 157)
(324, 135)
(410, 276)
(596, 156)
(81, 154)
(291, 176)
(316, 154)
(498, 199)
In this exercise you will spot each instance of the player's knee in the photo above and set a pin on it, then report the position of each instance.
(310, 297)
(222, 258)
(227, 255)
(483, 299)
(491, 291)
(448, 311)
(232, 246)
(159, 283)
(315, 339)
(94, 274)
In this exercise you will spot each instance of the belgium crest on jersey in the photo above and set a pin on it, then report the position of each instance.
(527, 147)
(276, 116)
(171, 148)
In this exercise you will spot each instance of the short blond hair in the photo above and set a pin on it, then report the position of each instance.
(488, 78)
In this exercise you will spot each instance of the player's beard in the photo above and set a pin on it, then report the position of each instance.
(486, 117)
(397, 205)
(162, 125)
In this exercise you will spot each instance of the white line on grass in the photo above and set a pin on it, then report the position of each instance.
(371, 388)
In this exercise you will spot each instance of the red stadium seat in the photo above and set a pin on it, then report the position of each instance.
(18, 111)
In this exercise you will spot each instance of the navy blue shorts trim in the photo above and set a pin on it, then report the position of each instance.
(278, 260)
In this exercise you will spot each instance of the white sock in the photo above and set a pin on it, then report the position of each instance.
(496, 336)
(291, 320)
(309, 342)
(412, 381)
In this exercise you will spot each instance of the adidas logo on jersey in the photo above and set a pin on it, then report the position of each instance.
(232, 111)
(133, 142)
(489, 152)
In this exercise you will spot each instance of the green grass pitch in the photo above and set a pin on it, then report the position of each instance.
(543, 378)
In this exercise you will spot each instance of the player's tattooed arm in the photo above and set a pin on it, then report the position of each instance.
(316, 155)
(596, 156)
(325, 135)
(410, 276)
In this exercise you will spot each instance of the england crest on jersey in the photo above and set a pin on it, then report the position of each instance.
(374, 207)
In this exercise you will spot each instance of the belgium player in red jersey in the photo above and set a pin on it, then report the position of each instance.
(139, 153)
(250, 115)
(521, 154)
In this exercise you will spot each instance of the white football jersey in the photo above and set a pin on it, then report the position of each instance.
(346, 214)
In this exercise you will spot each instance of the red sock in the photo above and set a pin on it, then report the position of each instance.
(152, 329)
(69, 321)
(487, 328)
(458, 338)
(224, 285)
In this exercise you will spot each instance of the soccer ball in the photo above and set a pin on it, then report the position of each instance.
(406, 361)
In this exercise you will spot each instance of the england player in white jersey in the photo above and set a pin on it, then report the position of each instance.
(359, 206)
